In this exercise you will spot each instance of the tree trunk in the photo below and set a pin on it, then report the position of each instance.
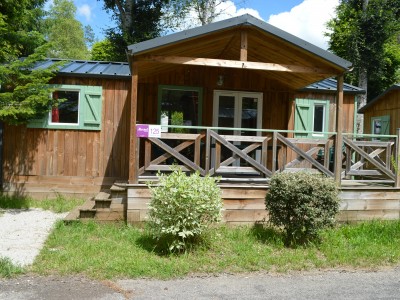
(362, 99)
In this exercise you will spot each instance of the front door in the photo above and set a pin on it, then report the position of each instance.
(237, 111)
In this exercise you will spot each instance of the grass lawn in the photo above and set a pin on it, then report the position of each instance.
(120, 251)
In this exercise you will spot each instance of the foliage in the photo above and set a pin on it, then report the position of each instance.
(20, 28)
(177, 119)
(368, 37)
(24, 94)
(302, 203)
(183, 14)
(182, 208)
(137, 21)
(102, 51)
(64, 32)
(8, 269)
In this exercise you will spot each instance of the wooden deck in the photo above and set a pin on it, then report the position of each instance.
(244, 203)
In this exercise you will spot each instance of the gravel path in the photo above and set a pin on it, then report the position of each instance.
(23, 232)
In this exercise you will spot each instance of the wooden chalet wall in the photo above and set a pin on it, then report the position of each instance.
(388, 105)
(276, 98)
(348, 109)
(42, 161)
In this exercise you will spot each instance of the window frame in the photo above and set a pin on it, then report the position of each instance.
(90, 103)
(197, 89)
(305, 117)
(50, 123)
(324, 105)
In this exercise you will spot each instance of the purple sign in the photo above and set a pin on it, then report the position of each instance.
(142, 131)
(145, 131)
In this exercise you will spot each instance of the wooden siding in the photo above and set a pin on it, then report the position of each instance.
(52, 157)
(276, 97)
(388, 105)
(245, 204)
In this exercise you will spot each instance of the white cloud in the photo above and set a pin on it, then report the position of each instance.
(307, 20)
(86, 11)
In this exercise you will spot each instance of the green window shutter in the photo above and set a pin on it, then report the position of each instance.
(90, 108)
(303, 118)
(385, 122)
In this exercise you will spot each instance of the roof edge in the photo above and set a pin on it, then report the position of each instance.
(377, 98)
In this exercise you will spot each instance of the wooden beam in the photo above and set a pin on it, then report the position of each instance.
(397, 158)
(211, 62)
(243, 46)
(339, 129)
(133, 153)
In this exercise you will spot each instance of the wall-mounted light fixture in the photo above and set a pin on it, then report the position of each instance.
(220, 81)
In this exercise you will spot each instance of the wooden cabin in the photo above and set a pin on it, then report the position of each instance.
(382, 114)
(239, 99)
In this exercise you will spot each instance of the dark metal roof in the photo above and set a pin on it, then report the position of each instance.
(82, 68)
(376, 99)
(330, 85)
(243, 20)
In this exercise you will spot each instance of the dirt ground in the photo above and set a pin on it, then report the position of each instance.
(336, 284)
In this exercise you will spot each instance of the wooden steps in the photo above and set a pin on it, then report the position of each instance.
(106, 206)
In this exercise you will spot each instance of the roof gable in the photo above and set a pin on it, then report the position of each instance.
(379, 98)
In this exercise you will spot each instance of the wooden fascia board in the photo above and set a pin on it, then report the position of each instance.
(236, 64)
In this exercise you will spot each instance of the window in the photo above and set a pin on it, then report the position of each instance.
(79, 108)
(311, 117)
(67, 110)
(380, 125)
(181, 105)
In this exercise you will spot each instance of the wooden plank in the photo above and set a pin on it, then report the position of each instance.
(245, 204)
(167, 168)
(236, 170)
(138, 203)
(246, 150)
(366, 195)
(243, 193)
(397, 158)
(364, 173)
(298, 160)
(236, 64)
(243, 45)
(274, 151)
(305, 156)
(82, 143)
(133, 159)
(339, 129)
(308, 141)
(180, 136)
(242, 155)
(369, 159)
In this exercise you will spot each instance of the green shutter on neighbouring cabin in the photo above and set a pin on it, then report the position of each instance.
(385, 124)
(90, 108)
(303, 117)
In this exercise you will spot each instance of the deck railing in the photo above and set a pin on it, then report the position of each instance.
(250, 158)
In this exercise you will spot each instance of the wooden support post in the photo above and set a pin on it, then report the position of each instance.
(274, 150)
(243, 46)
(339, 129)
(133, 149)
(397, 159)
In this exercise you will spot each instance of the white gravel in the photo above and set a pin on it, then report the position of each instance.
(23, 233)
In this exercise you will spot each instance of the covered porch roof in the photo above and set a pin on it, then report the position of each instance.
(242, 42)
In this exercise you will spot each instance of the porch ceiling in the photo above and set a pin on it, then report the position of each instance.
(268, 51)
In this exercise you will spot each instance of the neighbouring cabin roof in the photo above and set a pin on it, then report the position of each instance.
(329, 85)
(120, 70)
(379, 97)
(93, 69)
(224, 40)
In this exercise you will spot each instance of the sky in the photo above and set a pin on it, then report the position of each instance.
(305, 19)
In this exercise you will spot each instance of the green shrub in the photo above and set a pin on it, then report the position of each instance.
(302, 204)
(182, 208)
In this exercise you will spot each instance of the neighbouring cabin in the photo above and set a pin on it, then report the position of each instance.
(382, 114)
(239, 99)
(86, 148)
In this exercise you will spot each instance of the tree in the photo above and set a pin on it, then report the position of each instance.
(365, 32)
(102, 51)
(190, 13)
(64, 32)
(23, 93)
(137, 20)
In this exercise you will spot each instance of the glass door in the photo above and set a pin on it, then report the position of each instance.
(239, 111)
